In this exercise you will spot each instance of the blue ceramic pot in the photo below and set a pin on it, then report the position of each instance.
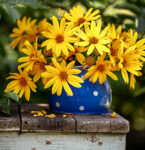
(91, 98)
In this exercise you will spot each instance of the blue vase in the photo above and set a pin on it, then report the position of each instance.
(91, 98)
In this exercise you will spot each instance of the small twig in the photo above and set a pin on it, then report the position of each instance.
(20, 117)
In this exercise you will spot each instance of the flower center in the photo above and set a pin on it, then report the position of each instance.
(63, 75)
(76, 50)
(47, 53)
(23, 81)
(59, 38)
(32, 55)
(101, 68)
(42, 66)
(80, 21)
(124, 63)
(93, 40)
(113, 52)
(90, 61)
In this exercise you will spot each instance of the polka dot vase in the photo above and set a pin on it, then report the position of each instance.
(91, 98)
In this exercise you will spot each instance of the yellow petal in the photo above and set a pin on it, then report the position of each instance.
(75, 78)
(21, 92)
(75, 84)
(90, 50)
(55, 86)
(80, 57)
(125, 75)
(27, 93)
(67, 88)
(112, 75)
(70, 65)
(75, 71)
(102, 78)
(59, 90)
(55, 23)
(63, 64)
(98, 28)
(50, 82)
(56, 64)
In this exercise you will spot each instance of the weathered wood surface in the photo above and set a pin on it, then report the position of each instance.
(54, 141)
(10, 123)
(44, 124)
(101, 124)
(77, 123)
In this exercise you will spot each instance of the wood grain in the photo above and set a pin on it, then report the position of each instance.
(60, 141)
(77, 123)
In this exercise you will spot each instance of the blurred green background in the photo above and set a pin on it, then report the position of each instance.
(128, 13)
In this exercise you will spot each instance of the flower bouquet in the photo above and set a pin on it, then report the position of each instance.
(72, 55)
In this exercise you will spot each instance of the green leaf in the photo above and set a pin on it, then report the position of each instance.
(6, 110)
(32, 3)
(5, 104)
(139, 91)
(12, 11)
(130, 7)
(12, 96)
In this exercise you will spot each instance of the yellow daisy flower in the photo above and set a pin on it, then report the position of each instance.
(39, 68)
(78, 17)
(32, 55)
(100, 71)
(26, 30)
(21, 84)
(44, 26)
(129, 62)
(115, 36)
(94, 38)
(60, 37)
(78, 54)
(60, 75)
(139, 46)
(114, 33)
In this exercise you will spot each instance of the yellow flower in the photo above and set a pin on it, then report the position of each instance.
(94, 38)
(60, 37)
(60, 76)
(32, 55)
(78, 54)
(100, 71)
(21, 84)
(115, 36)
(78, 17)
(43, 26)
(114, 33)
(139, 46)
(26, 30)
(39, 68)
(129, 62)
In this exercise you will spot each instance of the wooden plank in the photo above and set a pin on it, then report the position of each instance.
(44, 124)
(78, 123)
(101, 124)
(55, 141)
(9, 123)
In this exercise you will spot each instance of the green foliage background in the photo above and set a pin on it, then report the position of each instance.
(128, 13)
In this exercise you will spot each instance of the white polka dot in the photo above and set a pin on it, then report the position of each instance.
(57, 104)
(82, 76)
(95, 93)
(81, 108)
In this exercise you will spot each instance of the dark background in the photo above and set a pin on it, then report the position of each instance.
(128, 13)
